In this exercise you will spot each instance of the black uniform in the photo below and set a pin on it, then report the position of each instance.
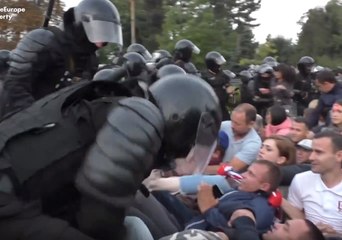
(43, 62)
(304, 87)
(49, 59)
(42, 152)
(219, 83)
(183, 53)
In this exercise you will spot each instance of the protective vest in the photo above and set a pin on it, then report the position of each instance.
(61, 123)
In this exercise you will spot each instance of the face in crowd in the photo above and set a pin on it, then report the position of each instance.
(291, 229)
(255, 178)
(336, 114)
(298, 131)
(240, 125)
(324, 158)
(278, 149)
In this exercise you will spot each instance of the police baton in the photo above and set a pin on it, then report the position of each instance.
(48, 13)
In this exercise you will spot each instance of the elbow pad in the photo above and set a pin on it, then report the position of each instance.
(123, 153)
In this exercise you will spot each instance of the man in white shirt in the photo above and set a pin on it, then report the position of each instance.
(317, 194)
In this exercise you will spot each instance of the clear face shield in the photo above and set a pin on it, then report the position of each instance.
(156, 56)
(200, 154)
(220, 60)
(147, 55)
(100, 30)
(195, 49)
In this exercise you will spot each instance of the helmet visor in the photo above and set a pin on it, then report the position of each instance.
(147, 55)
(200, 154)
(156, 56)
(102, 31)
(230, 74)
(220, 60)
(265, 68)
(195, 49)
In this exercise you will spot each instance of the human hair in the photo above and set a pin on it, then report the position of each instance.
(286, 148)
(339, 102)
(314, 233)
(335, 138)
(249, 110)
(287, 72)
(274, 175)
(278, 114)
(325, 76)
(301, 120)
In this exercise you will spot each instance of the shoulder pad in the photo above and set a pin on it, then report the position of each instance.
(36, 40)
(146, 110)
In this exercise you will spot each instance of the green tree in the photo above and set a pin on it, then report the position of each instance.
(266, 49)
(285, 49)
(202, 23)
(149, 17)
(321, 35)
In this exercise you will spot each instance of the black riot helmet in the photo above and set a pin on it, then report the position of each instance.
(268, 59)
(265, 68)
(134, 63)
(110, 74)
(169, 69)
(192, 116)
(305, 65)
(184, 49)
(4, 58)
(100, 20)
(160, 54)
(271, 61)
(138, 48)
(161, 58)
(214, 60)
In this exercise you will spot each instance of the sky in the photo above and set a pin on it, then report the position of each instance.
(276, 17)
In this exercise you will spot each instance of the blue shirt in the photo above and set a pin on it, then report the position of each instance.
(217, 217)
(245, 149)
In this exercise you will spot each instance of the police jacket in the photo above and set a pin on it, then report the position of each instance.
(44, 147)
(43, 61)
(219, 83)
(325, 102)
(216, 218)
(305, 89)
(188, 67)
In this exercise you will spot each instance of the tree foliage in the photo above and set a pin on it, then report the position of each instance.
(321, 35)
(222, 25)
(209, 28)
(11, 31)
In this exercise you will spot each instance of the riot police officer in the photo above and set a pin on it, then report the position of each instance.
(183, 53)
(304, 88)
(217, 78)
(261, 86)
(48, 59)
(161, 58)
(41, 161)
(271, 61)
(138, 48)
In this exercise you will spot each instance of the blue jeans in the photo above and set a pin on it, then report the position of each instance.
(176, 207)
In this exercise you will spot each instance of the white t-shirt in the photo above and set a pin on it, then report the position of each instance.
(320, 203)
